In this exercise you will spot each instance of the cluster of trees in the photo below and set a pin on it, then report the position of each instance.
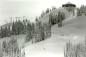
(56, 19)
(42, 31)
(81, 11)
(5, 32)
(10, 48)
(36, 32)
(47, 11)
(78, 50)
(14, 28)
(39, 31)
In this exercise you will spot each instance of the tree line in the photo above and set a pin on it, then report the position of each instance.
(37, 31)
(81, 11)
(56, 19)
(14, 28)
(48, 10)
(40, 31)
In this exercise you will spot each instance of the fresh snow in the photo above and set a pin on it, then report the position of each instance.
(54, 46)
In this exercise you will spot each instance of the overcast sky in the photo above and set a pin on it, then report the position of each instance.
(29, 8)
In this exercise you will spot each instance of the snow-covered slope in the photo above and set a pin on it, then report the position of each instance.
(73, 26)
(73, 30)
(52, 47)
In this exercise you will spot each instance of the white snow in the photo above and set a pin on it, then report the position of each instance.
(52, 47)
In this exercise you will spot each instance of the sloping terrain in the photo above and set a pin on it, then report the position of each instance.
(20, 39)
(74, 26)
(54, 46)
(73, 30)
(45, 18)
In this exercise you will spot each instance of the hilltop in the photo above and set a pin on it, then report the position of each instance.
(45, 18)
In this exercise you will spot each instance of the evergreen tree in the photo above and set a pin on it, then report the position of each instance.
(17, 27)
(81, 11)
(20, 27)
(61, 17)
(13, 28)
(5, 32)
(42, 14)
(42, 32)
(56, 19)
(51, 19)
(47, 10)
(2, 32)
(30, 31)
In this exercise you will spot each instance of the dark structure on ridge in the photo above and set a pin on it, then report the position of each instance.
(68, 5)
